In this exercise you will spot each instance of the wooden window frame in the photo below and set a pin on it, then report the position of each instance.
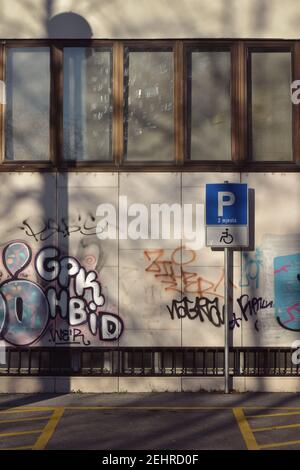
(211, 46)
(63, 164)
(240, 135)
(273, 47)
(17, 165)
(143, 46)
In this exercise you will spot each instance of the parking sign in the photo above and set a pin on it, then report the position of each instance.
(226, 215)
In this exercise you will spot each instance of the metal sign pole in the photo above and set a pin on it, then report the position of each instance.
(226, 317)
(227, 227)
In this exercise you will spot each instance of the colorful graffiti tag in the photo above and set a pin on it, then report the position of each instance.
(251, 269)
(287, 291)
(177, 273)
(72, 294)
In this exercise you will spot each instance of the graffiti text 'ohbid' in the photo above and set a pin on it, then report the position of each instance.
(72, 292)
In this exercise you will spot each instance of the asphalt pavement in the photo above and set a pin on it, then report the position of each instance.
(156, 421)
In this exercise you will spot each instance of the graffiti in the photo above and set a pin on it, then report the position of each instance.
(67, 336)
(45, 229)
(73, 294)
(90, 253)
(250, 308)
(251, 268)
(176, 273)
(211, 310)
(201, 308)
(282, 268)
(287, 291)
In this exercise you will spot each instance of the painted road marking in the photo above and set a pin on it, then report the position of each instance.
(245, 429)
(278, 444)
(26, 410)
(248, 431)
(18, 420)
(271, 428)
(49, 429)
(17, 448)
(45, 433)
(273, 415)
(22, 409)
(20, 433)
(243, 420)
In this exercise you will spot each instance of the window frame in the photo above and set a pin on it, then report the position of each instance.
(143, 46)
(64, 163)
(207, 46)
(240, 106)
(273, 47)
(15, 44)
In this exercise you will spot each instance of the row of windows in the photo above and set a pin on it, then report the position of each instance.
(148, 102)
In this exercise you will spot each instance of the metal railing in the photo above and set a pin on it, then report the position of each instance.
(140, 361)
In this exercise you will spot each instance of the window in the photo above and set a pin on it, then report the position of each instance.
(87, 104)
(209, 105)
(271, 106)
(148, 112)
(27, 76)
(204, 105)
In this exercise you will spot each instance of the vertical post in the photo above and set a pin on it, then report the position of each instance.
(226, 317)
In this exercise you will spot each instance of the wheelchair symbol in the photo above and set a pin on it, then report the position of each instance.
(226, 237)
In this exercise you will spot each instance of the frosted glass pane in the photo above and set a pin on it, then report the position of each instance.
(210, 106)
(87, 104)
(28, 104)
(149, 120)
(271, 106)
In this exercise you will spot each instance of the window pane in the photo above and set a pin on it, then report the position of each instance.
(149, 124)
(210, 105)
(271, 106)
(87, 104)
(28, 104)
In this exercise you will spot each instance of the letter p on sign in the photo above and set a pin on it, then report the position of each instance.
(225, 198)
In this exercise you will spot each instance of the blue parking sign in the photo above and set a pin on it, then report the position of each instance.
(226, 204)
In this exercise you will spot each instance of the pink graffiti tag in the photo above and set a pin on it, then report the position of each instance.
(290, 309)
(282, 268)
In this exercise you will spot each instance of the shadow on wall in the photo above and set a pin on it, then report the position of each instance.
(69, 25)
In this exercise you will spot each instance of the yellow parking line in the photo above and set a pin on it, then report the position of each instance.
(17, 448)
(279, 444)
(49, 429)
(27, 410)
(272, 415)
(18, 420)
(113, 407)
(271, 428)
(20, 433)
(245, 429)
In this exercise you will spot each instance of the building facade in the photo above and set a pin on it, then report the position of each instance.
(114, 117)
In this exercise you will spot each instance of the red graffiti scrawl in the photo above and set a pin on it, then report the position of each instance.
(290, 310)
(282, 268)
